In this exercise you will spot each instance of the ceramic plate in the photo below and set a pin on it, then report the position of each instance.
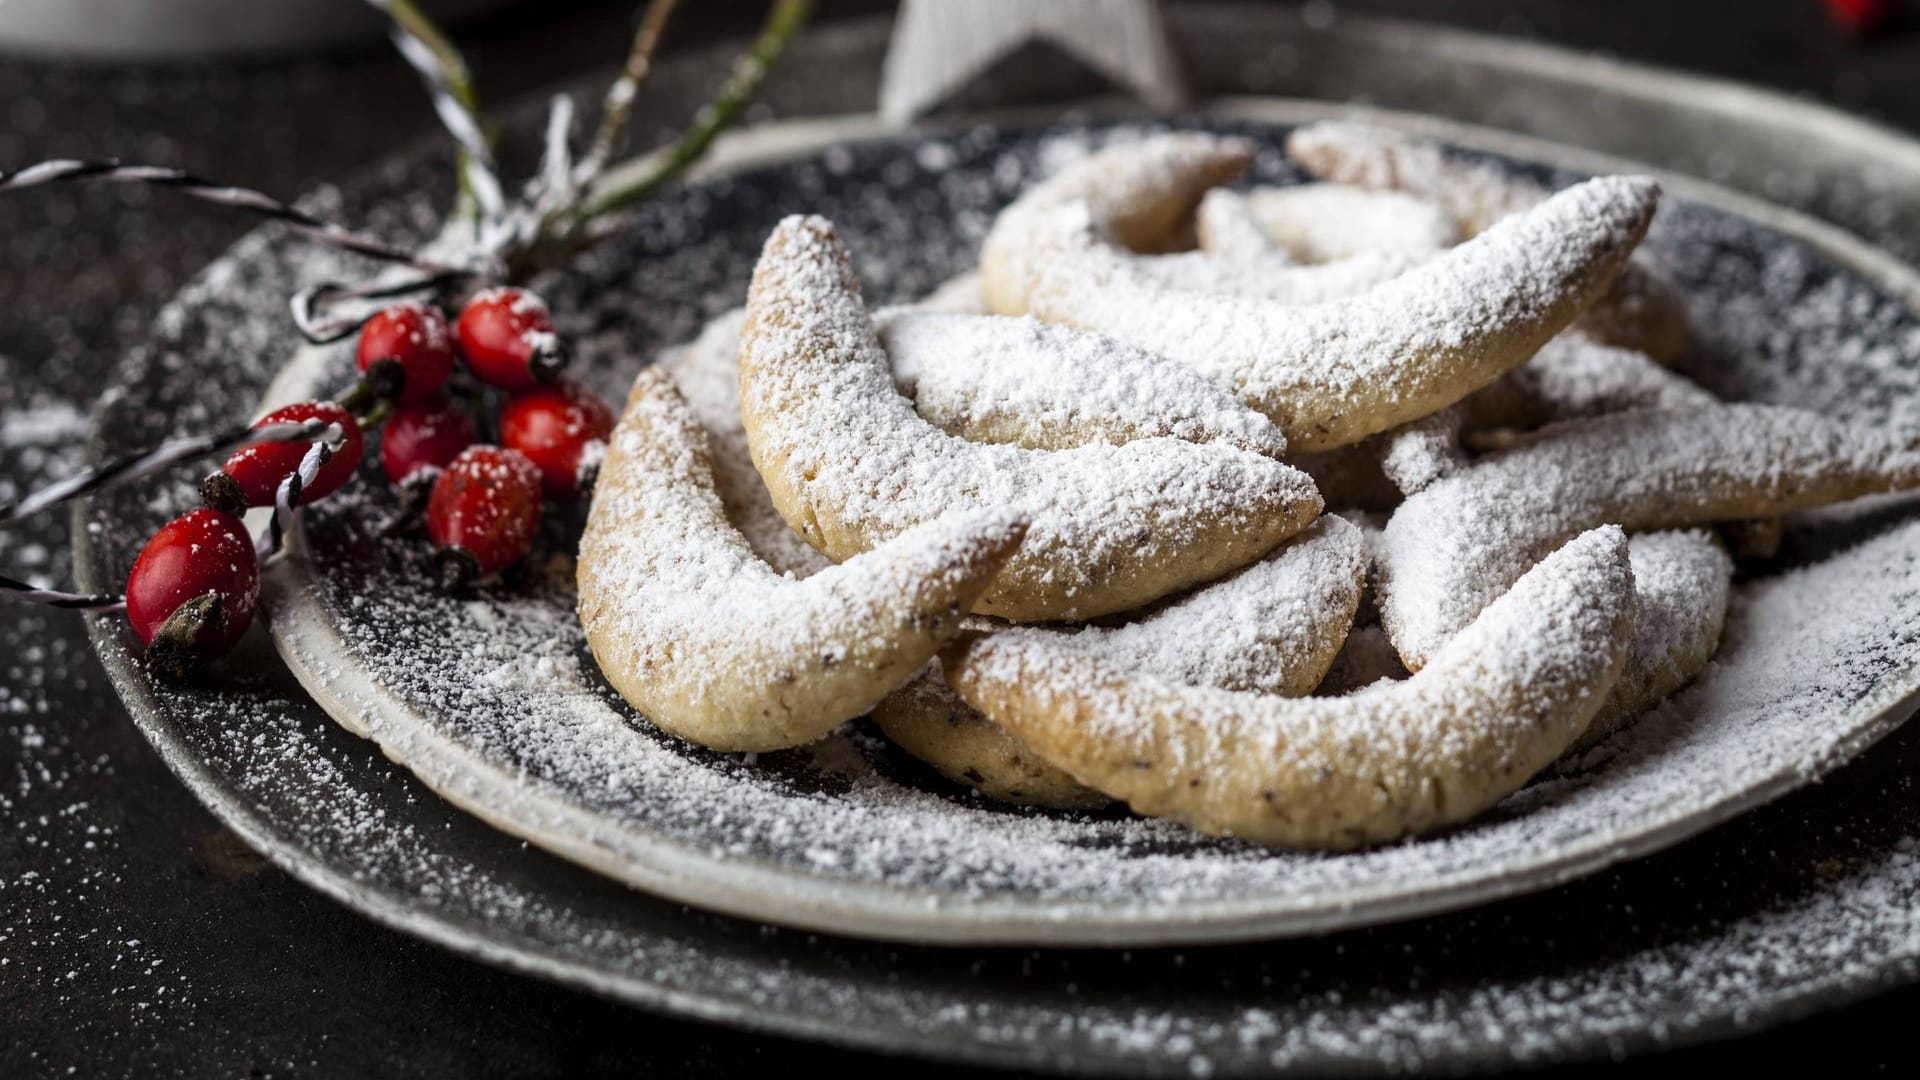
(494, 703)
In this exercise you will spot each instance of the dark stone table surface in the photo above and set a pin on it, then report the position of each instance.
(137, 936)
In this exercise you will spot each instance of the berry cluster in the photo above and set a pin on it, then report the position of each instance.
(193, 589)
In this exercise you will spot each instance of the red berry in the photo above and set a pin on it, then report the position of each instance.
(424, 435)
(416, 335)
(201, 561)
(506, 336)
(483, 512)
(560, 428)
(1861, 16)
(259, 469)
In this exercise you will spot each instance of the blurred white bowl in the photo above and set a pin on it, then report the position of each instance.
(157, 29)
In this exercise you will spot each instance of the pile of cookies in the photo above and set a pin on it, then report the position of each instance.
(1317, 515)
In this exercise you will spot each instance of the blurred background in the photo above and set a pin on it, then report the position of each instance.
(214, 963)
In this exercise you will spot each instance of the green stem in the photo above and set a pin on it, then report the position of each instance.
(618, 104)
(457, 76)
(749, 73)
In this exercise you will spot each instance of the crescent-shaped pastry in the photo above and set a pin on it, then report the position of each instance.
(1572, 376)
(1418, 454)
(850, 464)
(1453, 547)
(1681, 581)
(1141, 192)
(1642, 311)
(1141, 195)
(1500, 702)
(1332, 373)
(707, 372)
(1018, 381)
(1575, 376)
(982, 379)
(1272, 628)
(1271, 276)
(708, 642)
(1321, 223)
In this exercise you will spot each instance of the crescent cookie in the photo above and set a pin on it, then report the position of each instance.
(1142, 192)
(1681, 581)
(1271, 276)
(1642, 311)
(1454, 546)
(991, 380)
(1575, 376)
(1272, 628)
(1334, 372)
(850, 464)
(708, 642)
(1018, 381)
(1321, 223)
(1500, 702)
(1572, 376)
(707, 372)
(929, 721)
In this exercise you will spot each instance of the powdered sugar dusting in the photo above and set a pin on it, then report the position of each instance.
(1318, 223)
(1109, 522)
(1020, 381)
(708, 376)
(1575, 376)
(1332, 372)
(1454, 546)
(1503, 699)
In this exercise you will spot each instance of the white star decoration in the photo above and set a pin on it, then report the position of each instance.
(941, 45)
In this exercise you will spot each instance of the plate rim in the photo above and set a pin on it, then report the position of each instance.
(756, 889)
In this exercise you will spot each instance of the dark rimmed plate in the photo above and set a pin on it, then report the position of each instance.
(328, 809)
(497, 707)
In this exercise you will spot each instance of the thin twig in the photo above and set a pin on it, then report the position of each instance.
(147, 462)
(749, 73)
(618, 104)
(70, 171)
(456, 102)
